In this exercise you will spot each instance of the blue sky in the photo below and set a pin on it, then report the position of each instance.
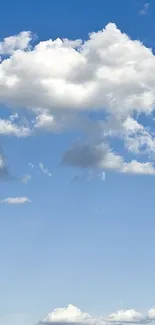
(67, 236)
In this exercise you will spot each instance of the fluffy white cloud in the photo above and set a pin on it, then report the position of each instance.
(68, 314)
(151, 313)
(16, 200)
(72, 315)
(45, 121)
(108, 71)
(138, 168)
(13, 43)
(59, 80)
(127, 316)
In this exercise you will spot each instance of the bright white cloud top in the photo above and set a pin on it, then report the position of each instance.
(72, 314)
(57, 81)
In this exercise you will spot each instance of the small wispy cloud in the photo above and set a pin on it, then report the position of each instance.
(15, 200)
(102, 176)
(26, 178)
(145, 9)
(97, 210)
(13, 117)
(31, 165)
(89, 176)
(44, 170)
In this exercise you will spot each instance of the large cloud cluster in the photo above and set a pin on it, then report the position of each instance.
(59, 82)
(72, 315)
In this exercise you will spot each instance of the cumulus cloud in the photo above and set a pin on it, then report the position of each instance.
(44, 170)
(59, 82)
(15, 200)
(67, 315)
(17, 42)
(7, 127)
(72, 315)
(101, 156)
(151, 313)
(126, 316)
(108, 71)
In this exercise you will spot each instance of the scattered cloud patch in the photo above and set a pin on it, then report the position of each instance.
(145, 9)
(44, 170)
(13, 117)
(8, 127)
(69, 314)
(31, 165)
(15, 200)
(26, 178)
(101, 156)
(103, 175)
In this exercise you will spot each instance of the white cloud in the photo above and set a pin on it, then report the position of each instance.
(7, 127)
(72, 315)
(101, 156)
(108, 71)
(17, 42)
(145, 9)
(127, 316)
(26, 178)
(68, 314)
(151, 313)
(44, 121)
(44, 170)
(135, 167)
(137, 138)
(16, 200)
(58, 80)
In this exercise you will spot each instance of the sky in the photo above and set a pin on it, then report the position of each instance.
(77, 167)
